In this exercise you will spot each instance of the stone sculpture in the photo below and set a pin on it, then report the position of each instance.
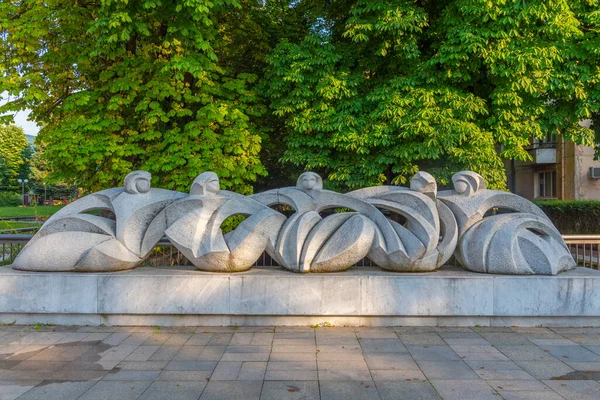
(399, 229)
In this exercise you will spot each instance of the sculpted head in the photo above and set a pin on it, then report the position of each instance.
(137, 182)
(423, 182)
(309, 181)
(206, 184)
(468, 183)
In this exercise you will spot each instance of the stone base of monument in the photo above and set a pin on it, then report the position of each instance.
(272, 296)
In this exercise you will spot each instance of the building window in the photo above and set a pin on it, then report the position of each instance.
(546, 183)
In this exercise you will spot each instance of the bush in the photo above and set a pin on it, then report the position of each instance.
(9, 200)
(573, 217)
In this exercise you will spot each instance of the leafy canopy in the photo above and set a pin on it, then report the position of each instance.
(120, 85)
(394, 86)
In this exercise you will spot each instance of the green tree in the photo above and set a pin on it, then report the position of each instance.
(15, 154)
(388, 87)
(124, 85)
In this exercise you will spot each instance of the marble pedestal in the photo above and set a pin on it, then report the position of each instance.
(271, 296)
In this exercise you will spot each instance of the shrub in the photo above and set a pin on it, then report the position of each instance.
(573, 217)
(9, 200)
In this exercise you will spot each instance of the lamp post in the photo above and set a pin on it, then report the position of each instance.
(23, 182)
(45, 193)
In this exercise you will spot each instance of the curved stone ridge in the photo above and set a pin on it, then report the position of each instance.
(399, 229)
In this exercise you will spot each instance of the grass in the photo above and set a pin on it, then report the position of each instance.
(36, 211)
(7, 225)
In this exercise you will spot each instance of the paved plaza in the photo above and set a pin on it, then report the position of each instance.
(52, 362)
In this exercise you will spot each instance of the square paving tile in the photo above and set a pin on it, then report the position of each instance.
(389, 390)
(290, 390)
(545, 369)
(225, 390)
(433, 353)
(174, 390)
(573, 353)
(11, 389)
(447, 370)
(464, 389)
(122, 390)
(344, 390)
(576, 390)
(57, 390)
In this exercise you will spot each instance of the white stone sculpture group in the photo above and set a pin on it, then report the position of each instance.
(521, 240)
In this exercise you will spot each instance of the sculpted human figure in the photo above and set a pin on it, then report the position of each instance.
(194, 227)
(310, 243)
(522, 241)
(74, 239)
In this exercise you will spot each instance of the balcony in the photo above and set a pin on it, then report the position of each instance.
(543, 155)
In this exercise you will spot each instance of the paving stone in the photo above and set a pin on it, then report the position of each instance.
(131, 375)
(286, 375)
(47, 365)
(177, 339)
(220, 339)
(293, 342)
(479, 353)
(290, 390)
(344, 390)
(142, 353)
(526, 353)
(142, 365)
(199, 339)
(397, 375)
(252, 371)
(375, 333)
(191, 366)
(499, 374)
(116, 338)
(467, 341)
(553, 342)
(226, 371)
(506, 339)
(60, 353)
(75, 337)
(292, 366)
(464, 389)
(573, 353)
(344, 375)
(184, 376)
(57, 390)
(31, 374)
(11, 389)
(519, 385)
(433, 353)
(382, 346)
(174, 390)
(245, 357)
(583, 366)
(262, 339)
(530, 395)
(78, 375)
(414, 329)
(447, 370)
(334, 365)
(545, 369)
(411, 339)
(293, 357)
(165, 353)
(390, 361)
(224, 390)
(122, 390)
(343, 357)
(101, 365)
(389, 390)
(248, 349)
(336, 348)
(157, 339)
(241, 339)
(575, 390)
(294, 349)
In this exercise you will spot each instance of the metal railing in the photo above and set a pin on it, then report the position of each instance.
(584, 248)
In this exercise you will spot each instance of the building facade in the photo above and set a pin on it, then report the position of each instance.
(558, 170)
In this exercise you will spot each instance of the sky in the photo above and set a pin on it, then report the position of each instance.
(21, 120)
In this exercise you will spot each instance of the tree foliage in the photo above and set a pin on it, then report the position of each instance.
(15, 156)
(363, 91)
(394, 86)
(121, 85)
